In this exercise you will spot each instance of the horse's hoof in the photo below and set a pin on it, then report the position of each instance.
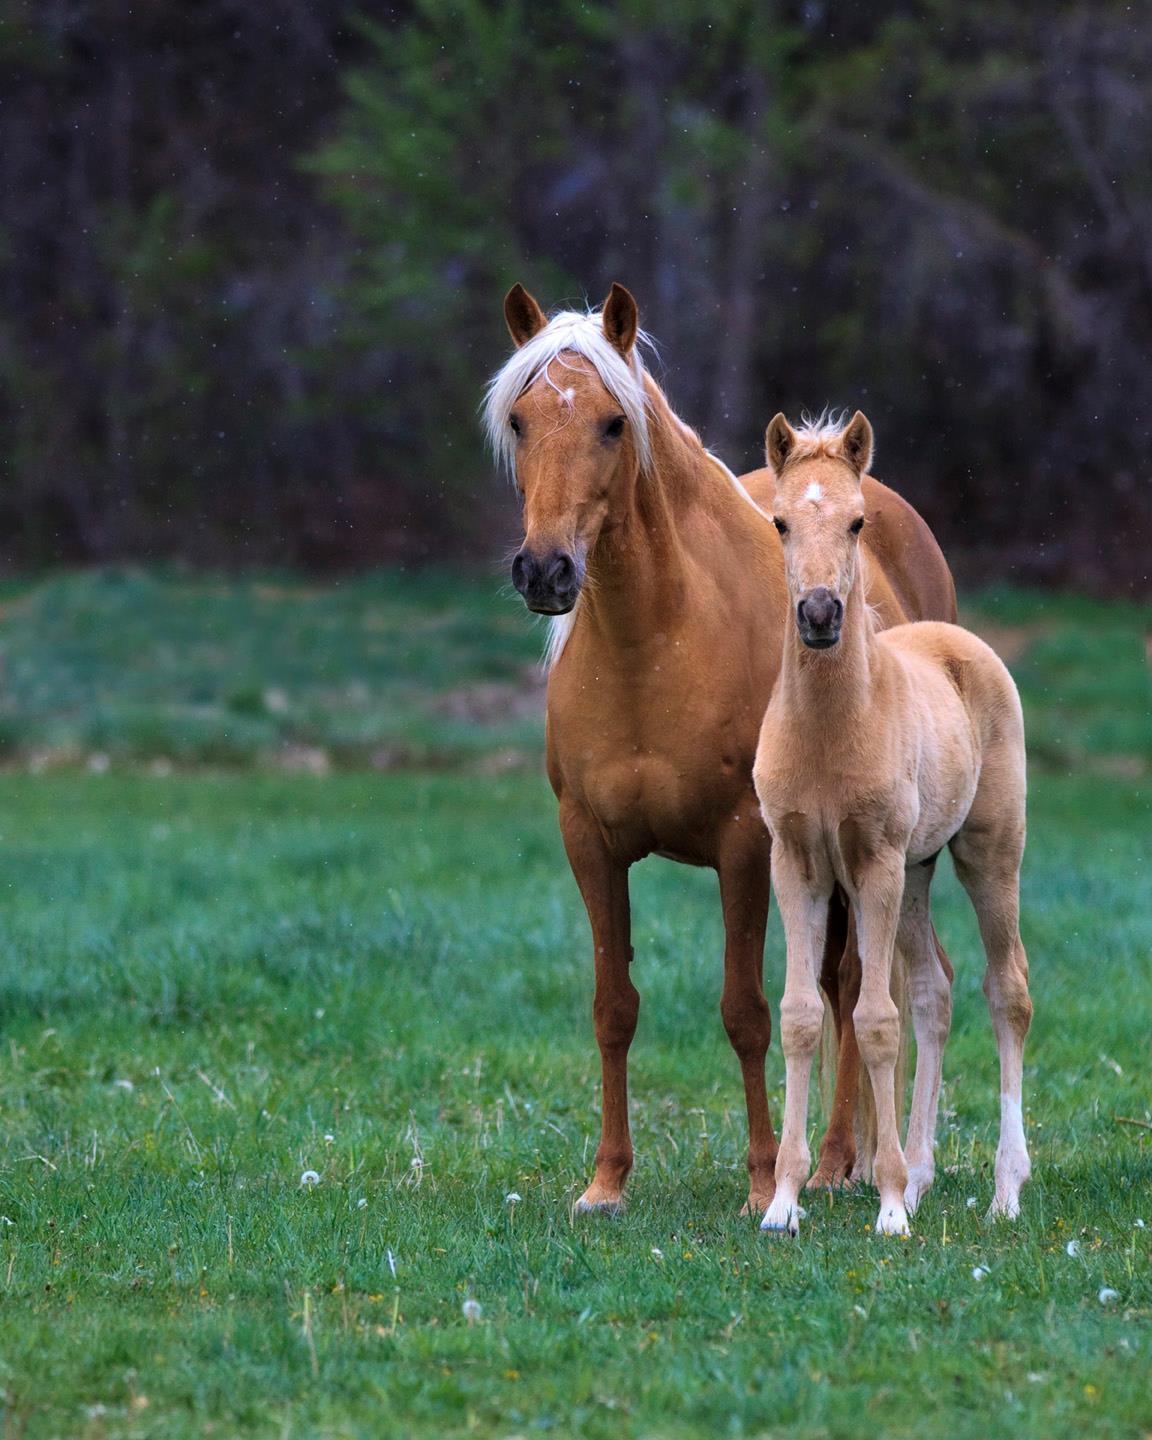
(919, 1183)
(597, 1201)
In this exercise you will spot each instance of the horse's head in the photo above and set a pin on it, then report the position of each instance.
(568, 415)
(819, 511)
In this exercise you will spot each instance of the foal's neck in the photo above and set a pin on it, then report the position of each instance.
(821, 686)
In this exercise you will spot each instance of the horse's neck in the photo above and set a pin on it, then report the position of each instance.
(638, 583)
(821, 689)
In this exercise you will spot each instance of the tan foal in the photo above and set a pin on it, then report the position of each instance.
(876, 751)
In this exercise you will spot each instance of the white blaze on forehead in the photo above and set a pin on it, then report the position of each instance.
(814, 492)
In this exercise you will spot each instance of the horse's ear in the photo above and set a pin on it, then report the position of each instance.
(522, 315)
(856, 443)
(621, 319)
(779, 442)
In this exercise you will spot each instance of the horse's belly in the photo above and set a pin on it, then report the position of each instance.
(651, 803)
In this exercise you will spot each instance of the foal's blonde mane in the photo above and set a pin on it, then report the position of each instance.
(819, 435)
(569, 332)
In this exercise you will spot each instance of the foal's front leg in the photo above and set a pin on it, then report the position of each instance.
(802, 890)
(880, 888)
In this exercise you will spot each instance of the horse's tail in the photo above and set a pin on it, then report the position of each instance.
(866, 1103)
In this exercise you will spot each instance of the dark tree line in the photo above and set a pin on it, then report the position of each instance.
(253, 254)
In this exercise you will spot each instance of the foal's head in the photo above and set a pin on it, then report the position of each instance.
(568, 415)
(819, 511)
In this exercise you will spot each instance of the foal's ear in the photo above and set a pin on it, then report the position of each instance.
(522, 315)
(621, 319)
(856, 443)
(779, 442)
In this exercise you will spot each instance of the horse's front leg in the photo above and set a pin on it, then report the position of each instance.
(603, 883)
(880, 889)
(802, 895)
(744, 872)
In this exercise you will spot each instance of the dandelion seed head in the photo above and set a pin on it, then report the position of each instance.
(309, 1179)
(361, 1204)
(512, 1198)
(472, 1311)
(979, 1272)
(1072, 1248)
(1108, 1296)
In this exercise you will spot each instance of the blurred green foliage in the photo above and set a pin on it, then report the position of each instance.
(435, 667)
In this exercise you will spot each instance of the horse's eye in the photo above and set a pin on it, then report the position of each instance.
(614, 428)
(857, 525)
(781, 528)
(515, 424)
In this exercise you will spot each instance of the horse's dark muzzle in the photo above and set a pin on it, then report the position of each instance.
(547, 583)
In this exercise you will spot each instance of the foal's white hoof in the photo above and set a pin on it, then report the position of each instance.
(919, 1183)
(782, 1219)
(892, 1220)
(1004, 1207)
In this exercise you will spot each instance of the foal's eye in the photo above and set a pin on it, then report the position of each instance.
(614, 428)
(856, 526)
(781, 528)
(514, 423)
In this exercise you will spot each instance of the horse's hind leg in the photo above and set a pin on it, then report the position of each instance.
(745, 882)
(930, 991)
(840, 981)
(987, 853)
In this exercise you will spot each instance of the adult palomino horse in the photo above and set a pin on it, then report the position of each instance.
(877, 750)
(668, 588)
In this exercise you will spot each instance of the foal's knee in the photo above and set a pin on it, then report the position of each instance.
(801, 1020)
(748, 1023)
(1008, 997)
(877, 1031)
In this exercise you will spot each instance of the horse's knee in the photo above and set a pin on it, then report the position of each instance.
(614, 1016)
(748, 1024)
(877, 1024)
(801, 1020)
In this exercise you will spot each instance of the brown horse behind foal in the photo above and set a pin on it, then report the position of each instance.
(877, 750)
(669, 592)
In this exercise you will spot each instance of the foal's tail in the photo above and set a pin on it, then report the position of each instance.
(866, 1103)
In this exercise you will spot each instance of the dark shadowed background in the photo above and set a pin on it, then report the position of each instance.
(253, 256)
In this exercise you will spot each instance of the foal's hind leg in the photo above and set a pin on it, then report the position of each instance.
(840, 981)
(930, 992)
(987, 852)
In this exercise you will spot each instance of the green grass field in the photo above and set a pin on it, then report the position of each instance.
(218, 974)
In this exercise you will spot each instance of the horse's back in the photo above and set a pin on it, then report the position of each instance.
(914, 570)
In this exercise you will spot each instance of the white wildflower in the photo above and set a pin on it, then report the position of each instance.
(1072, 1248)
(328, 1138)
(472, 1311)
(979, 1272)
(1139, 1224)
(309, 1178)
(512, 1198)
(970, 1203)
(1107, 1296)
(361, 1204)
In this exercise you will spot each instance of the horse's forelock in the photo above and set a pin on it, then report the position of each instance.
(580, 333)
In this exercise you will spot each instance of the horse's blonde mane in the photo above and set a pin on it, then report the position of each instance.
(578, 333)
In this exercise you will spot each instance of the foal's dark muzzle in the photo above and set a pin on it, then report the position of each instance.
(549, 583)
(819, 615)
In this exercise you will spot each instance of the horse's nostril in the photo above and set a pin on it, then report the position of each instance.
(521, 572)
(562, 571)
